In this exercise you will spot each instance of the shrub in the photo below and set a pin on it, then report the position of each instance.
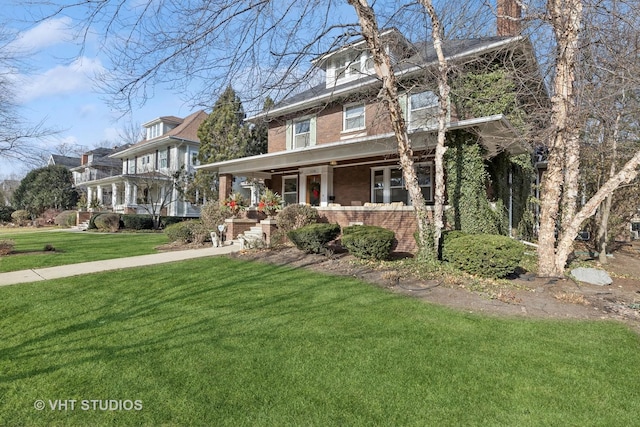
(212, 215)
(107, 222)
(187, 232)
(6, 246)
(66, 219)
(486, 255)
(368, 241)
(313, 238)
(21, 217)
(137, 222)
(166, 221)
(296, 216)
(5, 213)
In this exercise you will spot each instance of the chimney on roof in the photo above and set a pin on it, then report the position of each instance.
(509, 17)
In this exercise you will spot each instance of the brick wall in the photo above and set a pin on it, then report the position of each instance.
(401, 220)
(352, 184)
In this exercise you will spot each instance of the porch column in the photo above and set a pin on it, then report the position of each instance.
(127, 192)
(89, 195)
(114, 195)
(134, 194)
(226, 181)
(99, 194)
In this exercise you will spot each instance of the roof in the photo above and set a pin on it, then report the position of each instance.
(186, 131)
(496, 134)
(66, 161)
(426, 55)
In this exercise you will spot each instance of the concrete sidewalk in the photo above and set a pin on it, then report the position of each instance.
(48, 273)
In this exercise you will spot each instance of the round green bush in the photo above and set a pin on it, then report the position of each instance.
(107, 222)
(313, 238)
(5, 213)
(486, 255)
(212, 215)
(368, 241)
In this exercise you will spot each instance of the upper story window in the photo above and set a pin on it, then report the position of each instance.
(350, 67)
(423, 109)
(163, 159)
(353, 117)
(301, 133)
(154, 131)
(131, 166)
(194, 158)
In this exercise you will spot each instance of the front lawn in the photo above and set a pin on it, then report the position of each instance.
(73, 247)
(222, 342)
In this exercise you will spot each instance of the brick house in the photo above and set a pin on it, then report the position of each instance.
(332, 146)
(130, 179)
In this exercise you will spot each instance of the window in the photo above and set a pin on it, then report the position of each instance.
(131, 166)
(302, 133)
(194, 159)
(162, 159)
(388, 185)
(353, 117)
(350, 68)
(423, 109)
(290, 190)
(154, 131)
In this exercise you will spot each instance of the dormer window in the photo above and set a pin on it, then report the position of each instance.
(154, 131)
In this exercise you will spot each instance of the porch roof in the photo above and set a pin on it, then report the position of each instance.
(496, 134)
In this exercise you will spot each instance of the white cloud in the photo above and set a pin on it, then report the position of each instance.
(48, 33)
(62, 79)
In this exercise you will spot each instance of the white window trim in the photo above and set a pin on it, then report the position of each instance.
(344, 117)
(386, 189)
(291, 132)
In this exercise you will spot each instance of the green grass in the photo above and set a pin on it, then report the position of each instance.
(74, 247)
(222, 342)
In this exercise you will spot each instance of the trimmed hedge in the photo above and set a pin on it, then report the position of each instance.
(368, 241)
(187, 232)
(296, 216)
(313, 238)
(137, 222)
(486, 255)
(107, 222)
(66, 219)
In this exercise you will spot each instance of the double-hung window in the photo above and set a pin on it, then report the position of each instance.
(162, 159)
(388, 184)
(423, 109)
(301, 133)
(353, 117)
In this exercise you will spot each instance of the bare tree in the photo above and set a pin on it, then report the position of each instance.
(17, 136)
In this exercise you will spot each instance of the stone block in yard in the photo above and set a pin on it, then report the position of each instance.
(592, 276)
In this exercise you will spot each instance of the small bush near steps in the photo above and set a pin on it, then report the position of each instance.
(107, 222)
(313, 238)
(368, 241)
(187, 232)
(484, 255)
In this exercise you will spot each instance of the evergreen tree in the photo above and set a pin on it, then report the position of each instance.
(44, 188)
(259, 133)
(223, 135)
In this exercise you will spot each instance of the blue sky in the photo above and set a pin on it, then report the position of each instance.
(56, 84)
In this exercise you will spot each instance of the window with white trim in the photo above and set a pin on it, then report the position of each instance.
(353, 117)
(423, 109)
(290, 190)
(388, 184)
(154, 131)
(162, 158)
(302, 133)
(131, 165)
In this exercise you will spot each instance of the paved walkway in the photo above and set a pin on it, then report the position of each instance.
(38, 274)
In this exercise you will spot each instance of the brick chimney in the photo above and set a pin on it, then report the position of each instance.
(508, 19)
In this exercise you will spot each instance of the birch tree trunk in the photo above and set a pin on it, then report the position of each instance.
(443, 99)
(605, 207)
(389, 97)
(566, 17)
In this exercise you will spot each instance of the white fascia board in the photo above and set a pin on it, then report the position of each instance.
(310, 102)
(496, 129)
(150, 146)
